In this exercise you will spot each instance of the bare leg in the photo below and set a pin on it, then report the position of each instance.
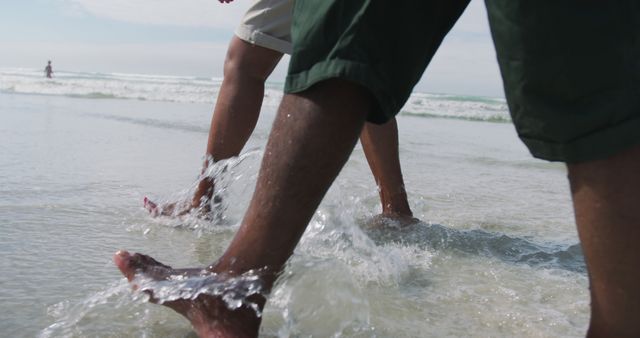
(607, 206)
(312, 137)
(236, 112)
(246, 69)
(380, 144)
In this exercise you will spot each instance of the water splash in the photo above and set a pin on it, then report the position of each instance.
(234, 179)
(130, 313)
(82, 318)
(234, 291)
(309, 304)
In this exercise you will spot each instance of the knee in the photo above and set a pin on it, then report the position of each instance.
(232, 64)
(243, 63)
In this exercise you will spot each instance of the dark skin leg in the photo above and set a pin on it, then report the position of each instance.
(606, 203)
(312, 137)
(380, 145)
(236, 113)
(246, 69)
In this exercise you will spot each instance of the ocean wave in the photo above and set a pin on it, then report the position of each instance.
(456, 106)
(111, 86)
(94, 95)
(193, 89)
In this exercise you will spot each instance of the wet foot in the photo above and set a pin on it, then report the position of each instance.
(168, 209)
(209, 315)
(200, 202)
(177, 209)
(391, 221)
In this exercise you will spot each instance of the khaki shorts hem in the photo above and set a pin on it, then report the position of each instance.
(252, 36)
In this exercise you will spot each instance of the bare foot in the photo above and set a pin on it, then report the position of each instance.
(177, 209)
(168, 209)
(391, 220)
(199, 202)
(212, 314)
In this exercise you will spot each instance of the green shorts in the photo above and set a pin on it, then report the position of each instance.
(571, 68)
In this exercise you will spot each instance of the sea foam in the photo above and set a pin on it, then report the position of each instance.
(190, 89)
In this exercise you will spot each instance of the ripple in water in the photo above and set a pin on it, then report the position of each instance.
(477, 242)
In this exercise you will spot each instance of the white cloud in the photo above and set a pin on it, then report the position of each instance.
(196, 13)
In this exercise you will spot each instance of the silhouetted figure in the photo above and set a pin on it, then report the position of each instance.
(48, 70)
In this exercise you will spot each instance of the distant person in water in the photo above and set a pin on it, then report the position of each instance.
(48, 70)
(259, 43)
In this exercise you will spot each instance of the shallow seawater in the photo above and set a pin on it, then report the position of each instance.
(495, 252)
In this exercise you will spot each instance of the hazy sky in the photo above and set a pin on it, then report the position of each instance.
(189, 37)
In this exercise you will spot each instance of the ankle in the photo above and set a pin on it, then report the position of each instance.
(396, 208)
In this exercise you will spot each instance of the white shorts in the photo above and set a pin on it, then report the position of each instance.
(267, 24)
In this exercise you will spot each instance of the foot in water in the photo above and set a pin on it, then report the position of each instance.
(392, 220)
(200, 202)
(178, 209)
(209, 315)
(169, 209)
